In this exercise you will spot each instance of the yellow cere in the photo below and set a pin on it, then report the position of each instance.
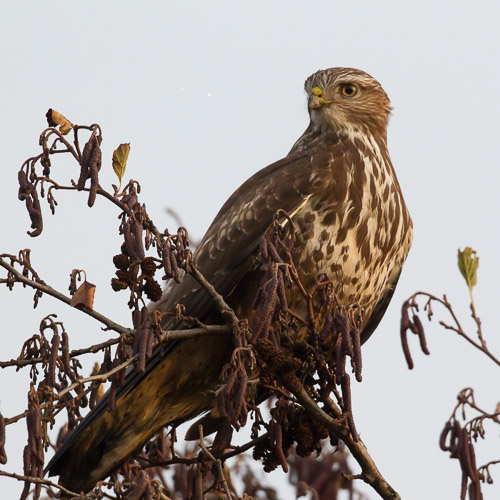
(317, 92)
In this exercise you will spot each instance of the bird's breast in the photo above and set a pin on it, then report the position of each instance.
(356, 230)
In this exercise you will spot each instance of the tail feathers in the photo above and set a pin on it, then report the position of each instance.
(176, 389)
(108, 441)
(99, 452)
(211, 423)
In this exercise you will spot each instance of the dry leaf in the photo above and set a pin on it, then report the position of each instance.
(120, 156)
(54, 118)
(84, 296)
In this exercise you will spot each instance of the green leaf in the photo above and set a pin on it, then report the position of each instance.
(120, 156)
(468, 262)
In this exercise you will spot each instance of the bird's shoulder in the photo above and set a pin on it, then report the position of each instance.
(281, 185)
(234, 235)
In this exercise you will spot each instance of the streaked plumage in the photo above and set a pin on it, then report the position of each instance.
(352, 224)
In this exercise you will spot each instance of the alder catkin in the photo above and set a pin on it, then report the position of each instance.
(356, 359)
(406, 348)
(444, 435)
(129, 244)
(139, 245)
(94, 167)
(3, 455)
(53, 360)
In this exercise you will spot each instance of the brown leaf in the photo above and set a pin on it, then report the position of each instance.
(120, 156)
(84, 296)
(55, 118)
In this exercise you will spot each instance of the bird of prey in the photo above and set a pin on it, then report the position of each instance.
(339, 187)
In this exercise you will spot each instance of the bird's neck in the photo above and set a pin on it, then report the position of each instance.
(374, 139)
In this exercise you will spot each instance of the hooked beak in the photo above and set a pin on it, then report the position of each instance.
(314, 102)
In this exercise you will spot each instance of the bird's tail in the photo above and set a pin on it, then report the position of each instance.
(176, 386)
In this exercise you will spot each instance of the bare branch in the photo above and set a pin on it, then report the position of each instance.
(41, 286)
(166, 336)
(370, 473)
(37, 480)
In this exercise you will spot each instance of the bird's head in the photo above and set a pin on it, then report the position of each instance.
(346, 99)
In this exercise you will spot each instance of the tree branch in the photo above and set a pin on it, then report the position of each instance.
(164, 337)
(110, 325)
(370, 473)
(38, 480)
(457, 327)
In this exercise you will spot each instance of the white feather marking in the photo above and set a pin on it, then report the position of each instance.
(297, 210)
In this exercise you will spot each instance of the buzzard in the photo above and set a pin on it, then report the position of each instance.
(339, 187)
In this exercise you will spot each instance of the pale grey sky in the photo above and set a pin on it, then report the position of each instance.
(208, 93)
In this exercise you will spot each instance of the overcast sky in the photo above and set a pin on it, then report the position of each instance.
(207, 93)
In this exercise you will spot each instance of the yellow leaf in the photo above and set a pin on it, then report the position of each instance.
(54, 118)
(468, 262)
(120, 156)
(84, 296)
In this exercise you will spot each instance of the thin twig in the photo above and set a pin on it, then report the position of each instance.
(370, 473)
(237, 450)
(38, 480)
(97, 378)
(457, 328)
(217, 463)
(221, 304)
(110, 325)
(164, 337)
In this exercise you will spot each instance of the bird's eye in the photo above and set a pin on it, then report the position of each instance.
(349, 90)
